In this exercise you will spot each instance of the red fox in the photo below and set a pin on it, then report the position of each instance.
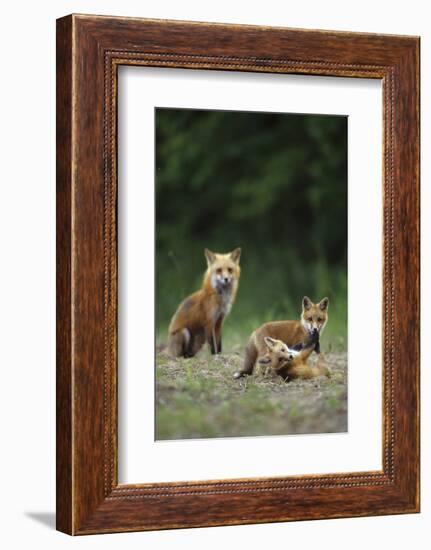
(277, 357)
(289, 363)
(199, 318)
(294, 334)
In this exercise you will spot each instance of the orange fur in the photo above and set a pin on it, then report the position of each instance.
(303, 371)
(311, 324)
(280, 359)
(199, 318)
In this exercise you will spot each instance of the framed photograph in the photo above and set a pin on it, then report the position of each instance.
(237, 274)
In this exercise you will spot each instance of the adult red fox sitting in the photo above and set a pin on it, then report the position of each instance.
(199, 318)
(294, 334)
(289, 363)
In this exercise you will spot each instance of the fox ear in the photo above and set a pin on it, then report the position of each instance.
(210, 256)
(265, 360)
(270, 342)
(306, 302)
(323, 304)
(235, 255)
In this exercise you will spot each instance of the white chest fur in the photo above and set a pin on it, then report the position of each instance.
(225, 303)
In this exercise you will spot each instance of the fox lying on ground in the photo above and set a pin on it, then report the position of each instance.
(294, 334)
(290, 363)
(199, 318)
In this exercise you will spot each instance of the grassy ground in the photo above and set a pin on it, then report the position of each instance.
(198, 398)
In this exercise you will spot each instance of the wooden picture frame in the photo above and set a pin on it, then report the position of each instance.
(89, 51)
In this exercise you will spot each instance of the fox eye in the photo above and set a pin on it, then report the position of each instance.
(218, 271)
(319, 320)
(310, 319)
(230, 270)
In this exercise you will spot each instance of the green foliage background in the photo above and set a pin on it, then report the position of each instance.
(274, 184)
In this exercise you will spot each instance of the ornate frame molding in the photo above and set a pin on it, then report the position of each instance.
(90, 49)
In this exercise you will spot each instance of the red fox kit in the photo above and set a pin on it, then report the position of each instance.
(289, 363)
(278, 355)
(199, 318)
(293, 333)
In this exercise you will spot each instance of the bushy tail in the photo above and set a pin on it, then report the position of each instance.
(249, 360)
(322, 367)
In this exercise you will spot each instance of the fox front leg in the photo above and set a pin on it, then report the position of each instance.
(312, 341)
(217, 334)
(212, 341)
(315, 339)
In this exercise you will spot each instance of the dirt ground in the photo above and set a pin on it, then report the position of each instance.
(198, 398)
